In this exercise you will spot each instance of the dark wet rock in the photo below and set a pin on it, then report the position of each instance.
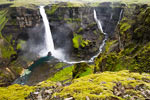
(73, 21)
(81, 68)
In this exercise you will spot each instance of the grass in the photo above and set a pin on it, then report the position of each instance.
(73, 3)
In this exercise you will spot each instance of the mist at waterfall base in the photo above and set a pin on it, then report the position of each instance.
(49, 43)
(42, 40)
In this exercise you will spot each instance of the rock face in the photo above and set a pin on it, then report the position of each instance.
(15, 23)
(78, 26)
(130, 49)
(19, 21)
(74, 29)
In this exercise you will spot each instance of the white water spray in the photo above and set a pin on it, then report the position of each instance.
(48, 36)
(49, 39)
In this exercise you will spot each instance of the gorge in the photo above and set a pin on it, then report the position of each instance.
(75, 50)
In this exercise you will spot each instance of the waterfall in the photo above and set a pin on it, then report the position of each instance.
(121, 12)
(59, 53)
(49, 39)
(48, 36)
(101, 29)
(101, 46)
(98, 22)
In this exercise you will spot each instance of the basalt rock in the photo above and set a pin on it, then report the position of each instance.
(131, 43)
(73, 22)
(14, 27)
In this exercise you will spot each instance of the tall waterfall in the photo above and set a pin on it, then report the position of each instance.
(101, 46)
(49, 39)
(59, 53)
(101, 29)
(48, 36)
(98, 22)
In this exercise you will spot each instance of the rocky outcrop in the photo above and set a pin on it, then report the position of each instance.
(14, 26)
(130, 49)
(78, 27)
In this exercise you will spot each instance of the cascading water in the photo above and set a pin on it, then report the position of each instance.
(101, 46)
(49, 39)
(48, 36)
(58, 53)
(50, 44)
(101, 29)
(120, 16)
(98, 22)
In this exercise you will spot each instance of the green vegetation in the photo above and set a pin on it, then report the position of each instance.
(125, 26)
(63, 75)
(94, 86)
(131, 52)
(3, 20)
(7, 49)
(78, 41)
(82, 69)
(52, 10)
(102, 86)
(75, 3)
(70, 20)
(59, 65)
(46, 83)
(15, 92)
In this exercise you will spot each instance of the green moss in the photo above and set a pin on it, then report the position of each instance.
(109, 60)
(52, 10)
(82, 69)
(19, 44)
(78, 41)
(60, 65)
(100, 86)
(95, 32)
(70, 20)
(125, 26)
(80, 30)
(3, 19)
(46, 83)
(142, 60)
(87, 72)
(63, 75)
(108, 44)
(15, 92)
(6, 49)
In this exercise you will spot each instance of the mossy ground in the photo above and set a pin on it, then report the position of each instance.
(100, 86)
(15, 92)
(95, 86)
(64, 75)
